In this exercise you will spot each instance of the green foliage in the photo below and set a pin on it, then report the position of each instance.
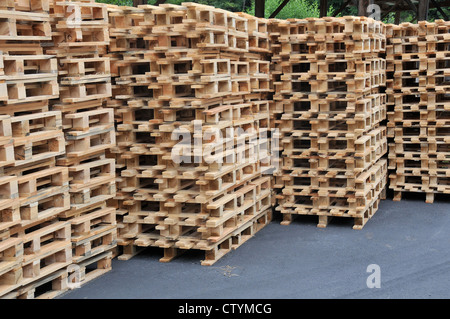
(294, 9)
(117, 2)
(434, 14)
(230, 5)
(233, 6)
(299, 9)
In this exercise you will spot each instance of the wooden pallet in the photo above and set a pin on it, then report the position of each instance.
(85, 274)
(335, 153)
(43, 194)
(9, 215)
(239, 237)
(324, 220)
(37, 137)
(84, 121)
(29, 90)
(77, 107)
(85, 90)
(25, 5)
(213, 252)
(88, 138)
(90, 220)
(218, 215)
(75, 70)
(18, 67)
(250, 200)
(25, 26)
(92, 182)
(305, 205)
(30, 168)
(90, 13)
(93, 233)
(335, 184)
(102, 240)
(68, 38)
(47, 287)
(46, 250)
(27, 125)
(423, 183)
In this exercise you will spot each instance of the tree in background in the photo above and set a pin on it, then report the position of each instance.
(350, 10)
(294, 9)
(117, 2)
(230, 5)
(434, 14)
(299, 9)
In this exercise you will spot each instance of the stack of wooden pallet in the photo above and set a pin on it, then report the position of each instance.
(276, 107)
(261, 77)
(134, 115)
(418, 108)
(188, 79)
(332, 140)
(79, 40)
(28, 74)
(130, 92)
(35, 247)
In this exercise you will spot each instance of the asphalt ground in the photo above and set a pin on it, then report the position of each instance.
(402, 252)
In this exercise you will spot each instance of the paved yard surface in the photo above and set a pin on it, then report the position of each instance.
(409, 241)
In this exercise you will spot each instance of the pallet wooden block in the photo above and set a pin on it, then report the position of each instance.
(3, 90)
(9, 215)
(6, 141)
